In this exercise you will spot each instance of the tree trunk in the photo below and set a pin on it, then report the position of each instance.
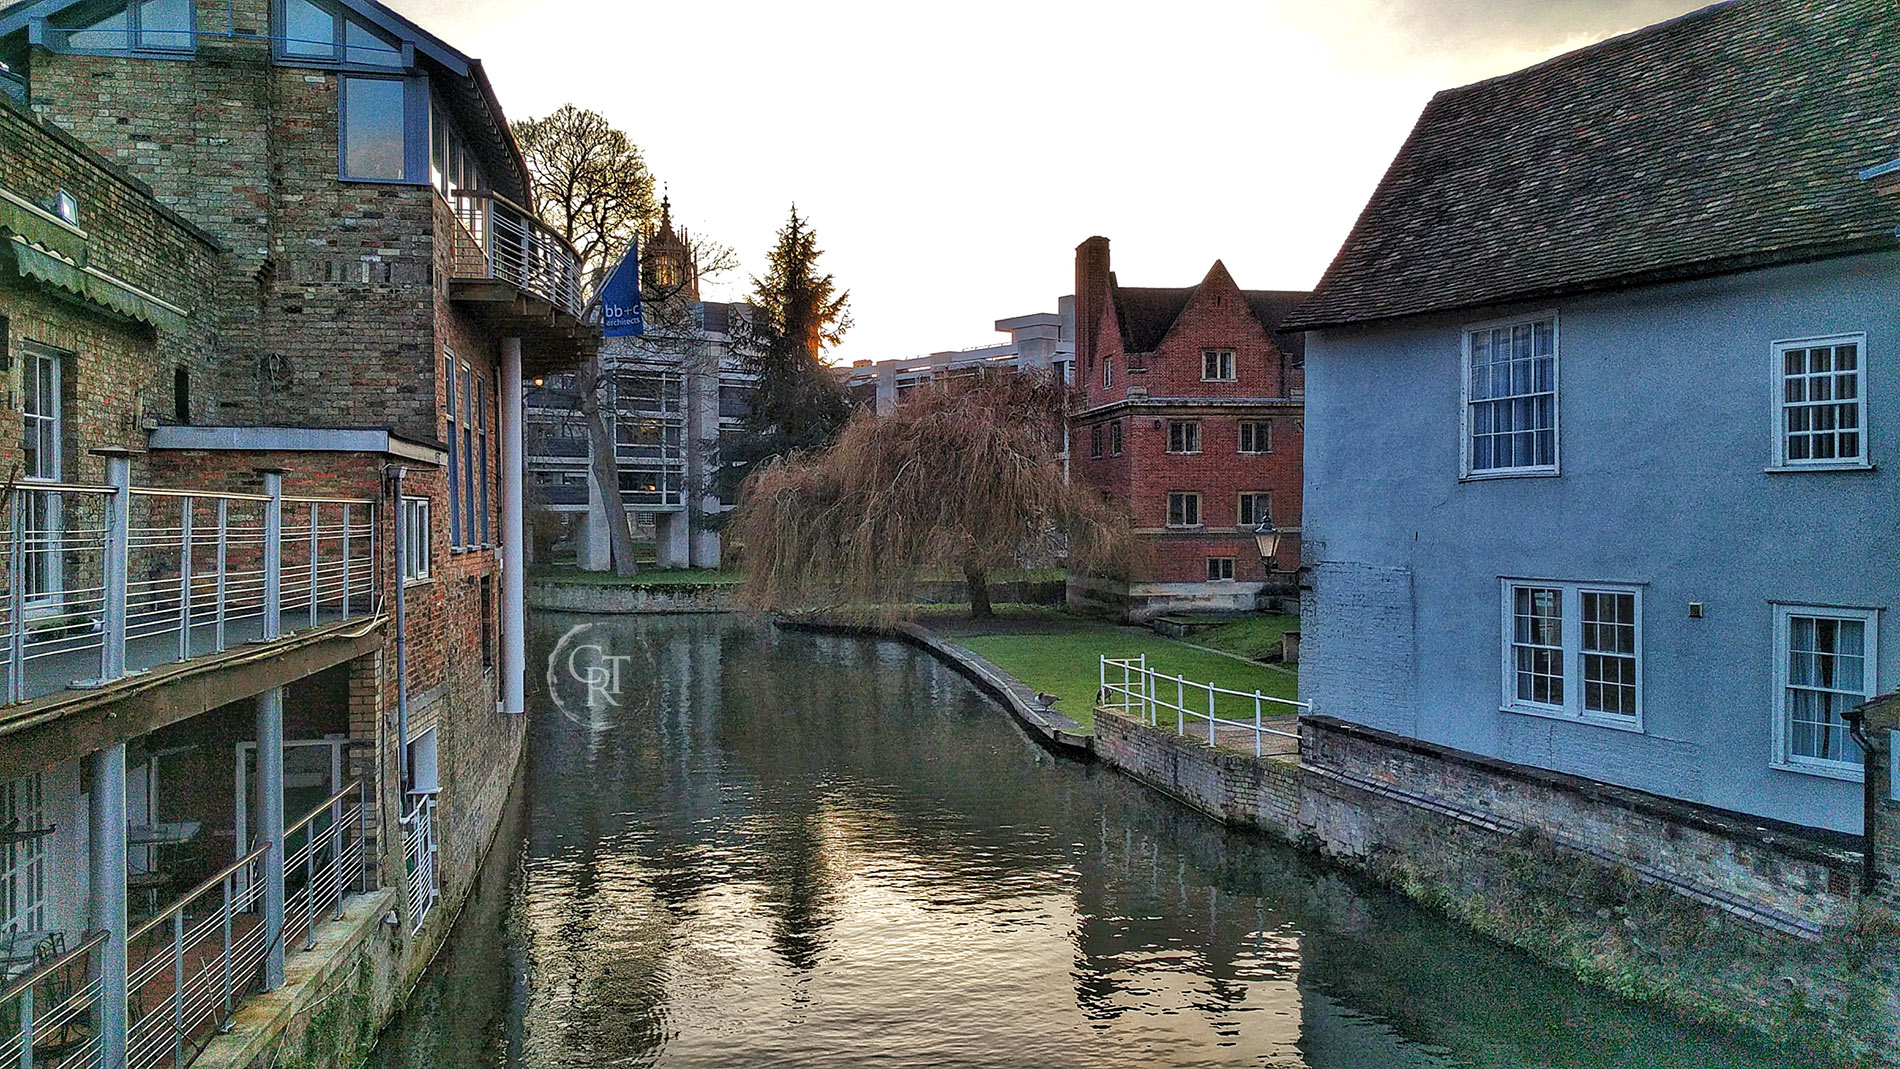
(600, 453)
(977, 581)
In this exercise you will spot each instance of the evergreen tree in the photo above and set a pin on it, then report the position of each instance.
(799, 404)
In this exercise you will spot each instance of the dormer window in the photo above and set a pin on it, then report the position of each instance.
(317, 32)
(142, 26)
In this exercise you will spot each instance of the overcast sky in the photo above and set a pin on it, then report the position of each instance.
(951, 156)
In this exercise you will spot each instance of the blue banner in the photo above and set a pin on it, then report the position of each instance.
(620, 299)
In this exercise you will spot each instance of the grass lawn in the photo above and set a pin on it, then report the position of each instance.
(1058, 653)
(568, 573)
(1255, 638)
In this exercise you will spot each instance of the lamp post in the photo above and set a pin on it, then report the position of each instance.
(1267, 538)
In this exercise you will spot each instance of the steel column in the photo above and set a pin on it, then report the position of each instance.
(514, 649)
(273, 554)
(117, 559)
(106, 868)
(270, 790)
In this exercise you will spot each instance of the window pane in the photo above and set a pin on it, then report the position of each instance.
(308, 30)
(373, 128)
(165, 24)
(112, 31)
(362, 46)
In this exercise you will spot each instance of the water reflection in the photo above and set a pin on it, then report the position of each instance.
(772, 848)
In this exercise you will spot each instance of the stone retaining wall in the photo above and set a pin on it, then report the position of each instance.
(556, 596)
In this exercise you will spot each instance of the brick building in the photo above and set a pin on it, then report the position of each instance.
(268, 290)
(1188, 412)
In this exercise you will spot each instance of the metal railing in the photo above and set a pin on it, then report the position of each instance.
(190, 966)
(420, 889)
(325, 854)
(102, 580)
(1141, 695)
(507, 243)
(50, 1016)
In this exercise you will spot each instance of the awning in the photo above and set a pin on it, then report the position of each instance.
(94, 286)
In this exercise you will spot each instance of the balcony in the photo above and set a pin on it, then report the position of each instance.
(522, 278)
(106, 582)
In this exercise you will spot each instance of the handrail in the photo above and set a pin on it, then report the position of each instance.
(39, 487)
(41, 971)
(169, 911)
(1137, 688)
(326, 806)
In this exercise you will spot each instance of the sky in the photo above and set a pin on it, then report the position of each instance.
(951, 156)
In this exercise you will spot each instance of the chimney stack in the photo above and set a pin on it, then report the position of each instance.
(1091, 296)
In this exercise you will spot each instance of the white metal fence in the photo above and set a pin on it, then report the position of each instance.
(419, 860)
(509, 244)
(1135, 690)
(102, 580)
(190, 966)
(49, 1016)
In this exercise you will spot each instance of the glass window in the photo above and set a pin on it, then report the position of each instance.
(1255, 506)
(1823, 407)
(362, 46)
(1115, 439)
(481, 451)
(165, 25)
(1574, 650)
(1184, 436)
(23, 860)
(1108, 374)
(455, 458)
(1256, 436)
(1220, 569)
(1826, 665)
(1184, 510)
(1217, 365)
(106, 33)
(415, 536)
(1511, 399)
(309, 30)
(374, 142)
(1095, 442)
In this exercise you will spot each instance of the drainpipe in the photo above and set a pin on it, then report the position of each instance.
(1870, 795)
(514, 647)
(396, 473)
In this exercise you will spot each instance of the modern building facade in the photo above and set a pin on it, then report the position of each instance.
(1601, 453)
(269, 288)
(1188, 413)
(671, 394)
(1041, 342)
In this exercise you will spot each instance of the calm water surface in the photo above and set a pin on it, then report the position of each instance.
(787, 849)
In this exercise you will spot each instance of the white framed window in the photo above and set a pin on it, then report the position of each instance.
(1253, 507)
(43, 433)
(1220, 569)
(1824, 666)
(1184, 509)
(1510, 399)
(415, 539)
(1821, 402)
(23, 860)
(1115, 439)
(1256, 436)
(1108, 373)
(1184, 436)
(1217, 365)
(1574, 650)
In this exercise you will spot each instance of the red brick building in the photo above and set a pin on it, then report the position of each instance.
(1189, 414)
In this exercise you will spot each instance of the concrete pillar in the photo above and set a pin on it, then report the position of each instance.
(886, 390)
(270, 828)
(702, 460)
(670, 549)
(514, 611)
(593, 551)
(106, 871)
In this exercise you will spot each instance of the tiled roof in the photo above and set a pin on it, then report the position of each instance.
(1726, 139)
(1147, 314)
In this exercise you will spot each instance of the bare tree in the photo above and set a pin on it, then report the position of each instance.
(965, 476)
(591, 184)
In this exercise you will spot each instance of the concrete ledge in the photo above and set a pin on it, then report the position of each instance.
(310, 978)
(553, 595)
(1048, 722)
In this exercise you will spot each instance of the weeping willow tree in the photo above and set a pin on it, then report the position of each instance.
(961, 479)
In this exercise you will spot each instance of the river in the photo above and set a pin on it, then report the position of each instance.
(767, 848)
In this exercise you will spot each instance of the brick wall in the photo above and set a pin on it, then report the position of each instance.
(1883, 726)
(1235, 788)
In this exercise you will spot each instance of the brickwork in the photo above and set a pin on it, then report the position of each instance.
(1883, 729)
(1237, 789)
(1149, 392)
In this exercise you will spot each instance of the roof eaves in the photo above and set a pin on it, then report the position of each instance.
(1862, 243)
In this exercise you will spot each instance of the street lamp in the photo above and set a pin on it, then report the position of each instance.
(1267, 537)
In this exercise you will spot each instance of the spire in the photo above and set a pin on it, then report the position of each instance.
(666, 211)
